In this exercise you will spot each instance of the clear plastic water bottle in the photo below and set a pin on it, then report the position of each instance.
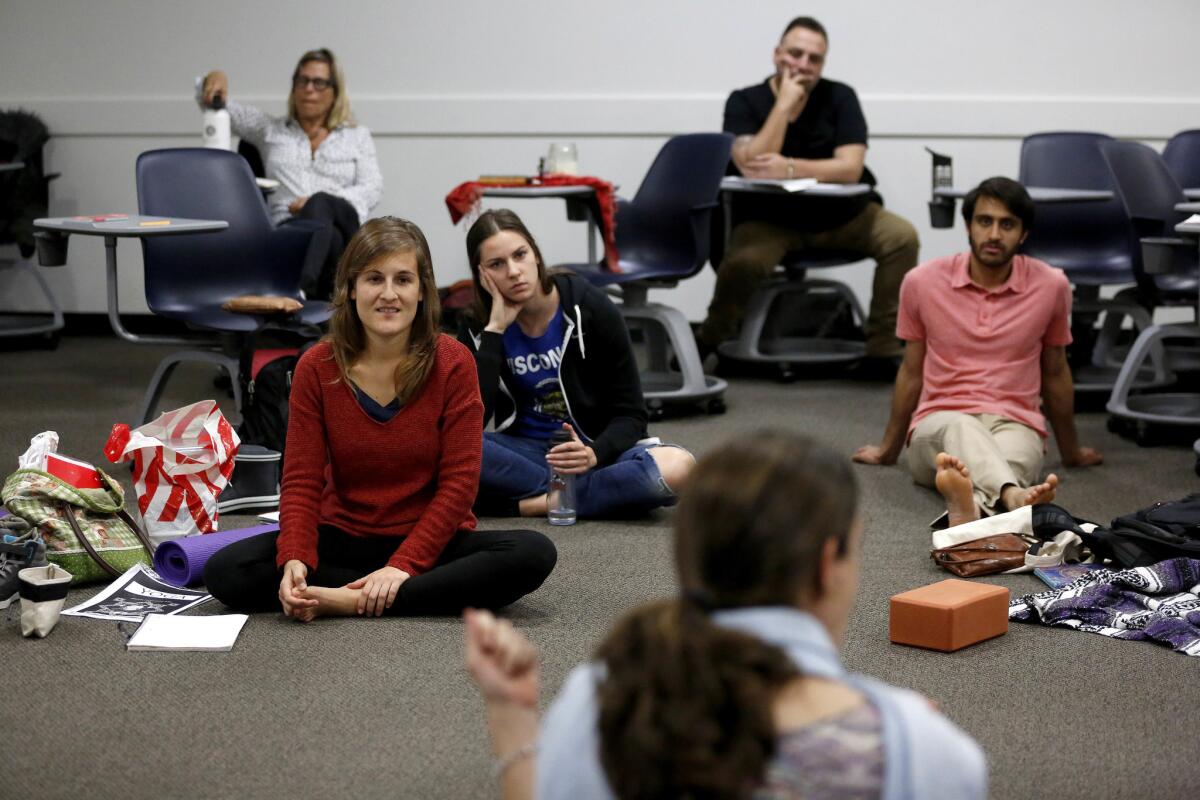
(560, 495)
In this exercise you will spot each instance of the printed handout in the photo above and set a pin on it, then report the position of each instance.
(134, 595)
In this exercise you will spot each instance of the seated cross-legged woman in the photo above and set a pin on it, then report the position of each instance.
(383, 455)
(554, 354)
(733, 688)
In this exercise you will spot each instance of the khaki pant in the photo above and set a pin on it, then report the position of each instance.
(997, 450)
(756, 248)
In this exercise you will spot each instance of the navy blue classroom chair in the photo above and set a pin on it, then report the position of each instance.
(1182, 155)
(188, 277)
(1091, 241)
(1167, 272)
(662, 237)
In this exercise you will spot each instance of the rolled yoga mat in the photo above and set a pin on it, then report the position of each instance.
(181, 561)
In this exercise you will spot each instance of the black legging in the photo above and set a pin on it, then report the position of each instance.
(321, 264)
(478, 569)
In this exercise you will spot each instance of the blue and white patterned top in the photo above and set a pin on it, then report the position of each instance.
(344, 164)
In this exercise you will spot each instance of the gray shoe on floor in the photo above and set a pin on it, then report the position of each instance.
(17, 553)
(254, 482)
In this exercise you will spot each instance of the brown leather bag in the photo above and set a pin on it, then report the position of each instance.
(985, 556)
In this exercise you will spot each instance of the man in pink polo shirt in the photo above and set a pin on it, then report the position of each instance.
(986, 335)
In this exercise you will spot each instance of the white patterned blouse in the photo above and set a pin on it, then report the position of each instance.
(344, 164)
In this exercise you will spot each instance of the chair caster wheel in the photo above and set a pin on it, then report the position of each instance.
(1143, 435)
(1197, 467)
(49, 341)
(716, 406)
(787, 374)
(654, 410)
(1114, 425)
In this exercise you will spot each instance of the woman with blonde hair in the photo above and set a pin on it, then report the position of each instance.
(383, 455)
(734, 688)
(324, 161)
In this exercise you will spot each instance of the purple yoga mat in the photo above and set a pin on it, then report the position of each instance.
(181, 561)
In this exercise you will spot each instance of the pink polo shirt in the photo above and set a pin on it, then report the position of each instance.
(983, 347)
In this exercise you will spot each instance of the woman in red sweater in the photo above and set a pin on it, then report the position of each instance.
(383, 459)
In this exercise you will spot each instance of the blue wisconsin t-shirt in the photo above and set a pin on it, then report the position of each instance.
(533, 362)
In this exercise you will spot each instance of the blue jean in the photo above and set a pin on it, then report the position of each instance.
(514, 468)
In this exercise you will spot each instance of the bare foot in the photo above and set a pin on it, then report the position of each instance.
(533, 506)
(1016, 496)
(331, 602)
(953, 482)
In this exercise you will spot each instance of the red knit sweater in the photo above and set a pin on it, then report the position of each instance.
(413, 477)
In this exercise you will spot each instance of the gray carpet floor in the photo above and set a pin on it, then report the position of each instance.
(367, 708)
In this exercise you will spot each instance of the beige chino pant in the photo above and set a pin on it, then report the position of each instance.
(997, 450)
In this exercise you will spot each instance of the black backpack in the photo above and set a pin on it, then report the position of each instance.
(265, 390)
(1161, 531)
(1164, 530)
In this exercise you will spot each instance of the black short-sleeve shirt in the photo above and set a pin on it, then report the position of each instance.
(831, 118)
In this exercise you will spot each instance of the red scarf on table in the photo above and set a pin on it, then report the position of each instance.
(464, 199)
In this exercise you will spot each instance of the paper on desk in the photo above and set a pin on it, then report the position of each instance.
(798, 184)
(269, 516)
(788, 185)
(1194, 219)
(213, 633)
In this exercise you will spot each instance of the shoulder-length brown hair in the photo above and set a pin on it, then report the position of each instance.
(379, 238)
(339, 113)
(488, 225)
(686, 705)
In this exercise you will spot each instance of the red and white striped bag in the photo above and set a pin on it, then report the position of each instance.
(181, 462)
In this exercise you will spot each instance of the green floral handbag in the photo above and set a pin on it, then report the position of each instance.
(87, 531)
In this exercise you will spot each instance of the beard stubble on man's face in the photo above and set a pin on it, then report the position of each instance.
(991, 252)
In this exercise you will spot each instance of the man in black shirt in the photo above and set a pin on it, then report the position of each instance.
(797, 124)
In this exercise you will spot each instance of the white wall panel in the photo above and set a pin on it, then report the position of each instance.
(455, 89)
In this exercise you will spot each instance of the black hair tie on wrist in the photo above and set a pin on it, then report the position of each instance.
(701, 600)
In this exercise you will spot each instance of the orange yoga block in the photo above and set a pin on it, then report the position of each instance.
(948, 615)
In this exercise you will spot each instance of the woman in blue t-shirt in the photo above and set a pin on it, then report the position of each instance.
(553, 354)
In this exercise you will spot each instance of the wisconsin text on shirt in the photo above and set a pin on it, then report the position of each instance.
(535, 362)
